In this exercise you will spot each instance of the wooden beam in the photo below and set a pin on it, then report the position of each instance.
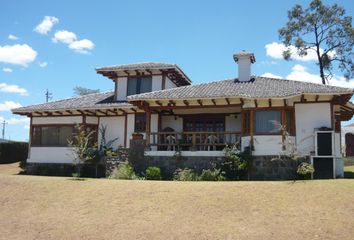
(186, 102)
(114, 112)
(172, 103)
(200, 102)
(317, 97)
(303, 98)
(227, 101)
(133, 110)
(149, 71)
(256, 103)
(214, 102)
(285, 104)
(158, 103)
(58, 112)
(124, 112)
(126, 72)
(270, 102)
(251, 127)
(241, 100)
(68, 111)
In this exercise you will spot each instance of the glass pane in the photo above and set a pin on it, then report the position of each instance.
(65, 134)
(36, 136)
(140, 122)
(145, 85)
(132, 86)
(50, 136)
(199, 126)
(268, 122)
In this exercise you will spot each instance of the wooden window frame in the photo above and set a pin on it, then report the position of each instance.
(203, 117)
(139, 79)
(143, 130)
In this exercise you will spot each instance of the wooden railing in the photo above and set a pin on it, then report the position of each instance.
(193, 141)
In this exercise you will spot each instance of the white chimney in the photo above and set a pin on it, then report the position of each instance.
(244, 60)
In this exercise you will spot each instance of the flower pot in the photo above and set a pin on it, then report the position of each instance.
(138, 136)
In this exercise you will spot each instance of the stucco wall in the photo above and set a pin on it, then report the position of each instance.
(169, 84)
(122, 89)
(50, 155)
(156, 83)
(308, 117)
(170, 121)
(115, 128)
(130, 127)
(265, 145)
(91, 120)
(57, 120)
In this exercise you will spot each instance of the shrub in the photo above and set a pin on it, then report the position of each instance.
(305, 169)
(184, 175)
(153, 173)
(236, 164)
(11, 152)
(123, 171)
(211, 175)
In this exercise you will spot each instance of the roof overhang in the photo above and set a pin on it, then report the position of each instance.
(174, 73)
(98, 112)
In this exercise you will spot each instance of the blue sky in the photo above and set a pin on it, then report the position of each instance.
(78, 36)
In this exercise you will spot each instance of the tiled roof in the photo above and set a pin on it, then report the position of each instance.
(89, 101)
(181, 78)
(259, 87)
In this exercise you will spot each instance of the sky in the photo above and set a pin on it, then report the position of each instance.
(57, 45)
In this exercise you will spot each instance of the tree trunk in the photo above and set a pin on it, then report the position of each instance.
(319, 58)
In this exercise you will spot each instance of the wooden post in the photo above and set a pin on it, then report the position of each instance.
(251, 127)
(148, 127)
(283, 127)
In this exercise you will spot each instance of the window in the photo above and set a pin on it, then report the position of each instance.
(268, 122)
(138, 85)
(51, 135)
(204, 124)
(140, 122)
(56, 136)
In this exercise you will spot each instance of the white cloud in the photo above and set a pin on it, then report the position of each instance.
(270, 75)
(27, 127)
(82, 46)
(46, 25)
(64, 36)
(70, 38)
(13, 89)
(12, 37)
(43, 64)
(7, 70)
(275, 50)
(17, 54)
(8, 105)
(300, 73)
(15, 121)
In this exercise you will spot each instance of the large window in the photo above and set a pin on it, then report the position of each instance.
(138, 85)
(268, 122)
(56, 136)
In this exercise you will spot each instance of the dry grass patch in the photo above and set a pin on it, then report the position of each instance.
(59, 208)
(10, 168)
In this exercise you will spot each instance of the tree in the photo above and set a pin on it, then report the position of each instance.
(82, 147)
(325, 30)
(81, 91)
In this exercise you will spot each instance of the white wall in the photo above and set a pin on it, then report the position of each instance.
(308, 117)
(233, 124)
(50, 155)
(91, 120)
(57, 120)
(130, 127)
(115, 128)
(156, 83)
(122, 88)
(264, 145)
(170, 121)
(154, 127)
(169, 84)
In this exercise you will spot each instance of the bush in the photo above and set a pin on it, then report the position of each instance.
(153, 173)
(184, 175)
(305, 170)
(236, 164)
(11, 152)
(123, 171)
(211, 175)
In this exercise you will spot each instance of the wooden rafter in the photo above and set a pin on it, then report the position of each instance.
(256, 103)
(285, 103)
(317, 97)
(214, 102)
(172, 103)
(227, 101)
(186, 102)
(200, 102)
(270, 102)
(158, 103)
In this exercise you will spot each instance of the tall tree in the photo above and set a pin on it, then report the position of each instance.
(325, 30)
(81, 91)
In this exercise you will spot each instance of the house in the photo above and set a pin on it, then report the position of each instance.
(348, 140)
(160, 101)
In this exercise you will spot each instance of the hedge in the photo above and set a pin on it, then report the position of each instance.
(11, 152)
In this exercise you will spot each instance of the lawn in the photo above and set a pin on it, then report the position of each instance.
(33, 207)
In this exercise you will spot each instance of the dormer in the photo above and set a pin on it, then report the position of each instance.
(131, 79)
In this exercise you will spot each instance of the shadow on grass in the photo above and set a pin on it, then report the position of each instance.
(349, 175)
(76, 179)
